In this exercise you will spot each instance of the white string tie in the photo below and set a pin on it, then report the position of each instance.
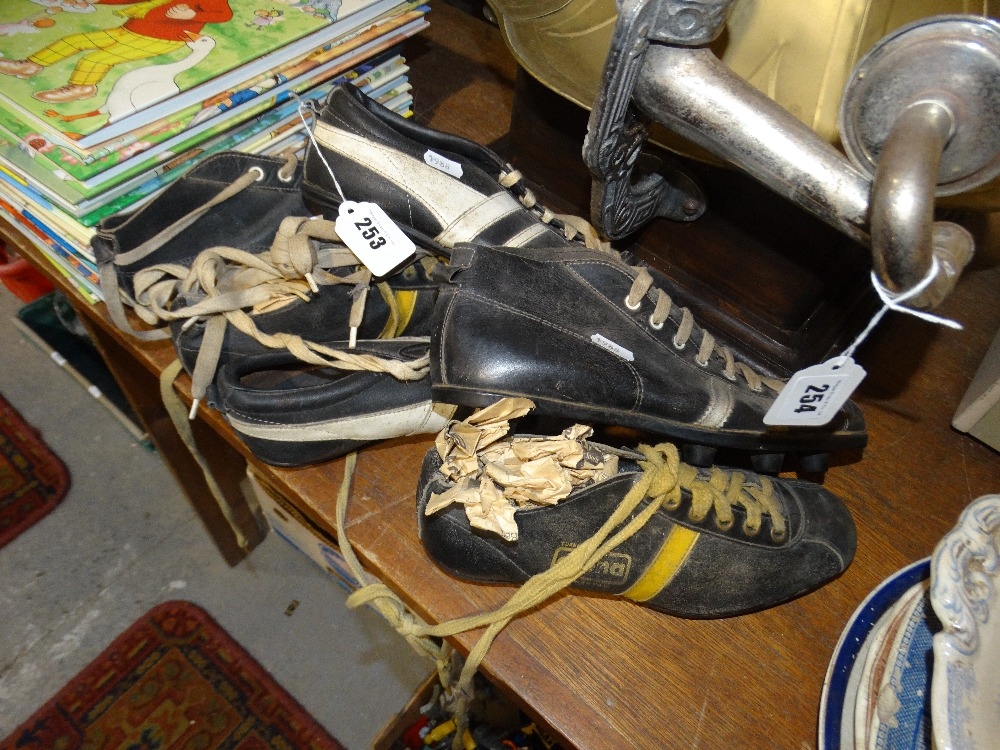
(312, 138)
(892, 301)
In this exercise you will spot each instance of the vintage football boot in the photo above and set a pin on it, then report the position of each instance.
(446, 190)
(191, 257)
(401, 304)
(440, 188)
(718, 543)
(207, 207)
(290, 413)
(589, 338)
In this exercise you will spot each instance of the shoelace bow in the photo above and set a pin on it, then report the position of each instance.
(642, 285)
(664, 480)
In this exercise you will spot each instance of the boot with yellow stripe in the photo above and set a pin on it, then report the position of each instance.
(228, 262)
(689, 542)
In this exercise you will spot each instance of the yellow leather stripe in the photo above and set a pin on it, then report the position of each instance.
(671, 557)
(406, 302)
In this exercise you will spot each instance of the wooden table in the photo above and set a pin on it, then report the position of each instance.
(601, 672)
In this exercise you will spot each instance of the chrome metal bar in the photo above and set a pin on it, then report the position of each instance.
(691, 92)
(905, 239)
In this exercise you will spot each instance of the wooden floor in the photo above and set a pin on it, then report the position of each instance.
(606, 673)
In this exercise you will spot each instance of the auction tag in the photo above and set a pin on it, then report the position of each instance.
(814, 395)
(373, 237)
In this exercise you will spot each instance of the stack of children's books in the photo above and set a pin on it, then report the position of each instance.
(103, 103)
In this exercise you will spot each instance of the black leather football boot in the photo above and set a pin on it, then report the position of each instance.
(440, 188)
(720, 543)
(589, 338)
(445, 190)
(241, 202)
(290, 413)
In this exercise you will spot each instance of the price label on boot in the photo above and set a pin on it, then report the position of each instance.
(372, 236)
(814, 395)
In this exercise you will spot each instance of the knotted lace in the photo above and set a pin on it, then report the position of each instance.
(664, 481)
(642, 286)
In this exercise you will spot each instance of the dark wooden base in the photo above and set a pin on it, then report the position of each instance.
(778, 285)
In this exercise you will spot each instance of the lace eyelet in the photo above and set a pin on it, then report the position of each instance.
(730, 378)
(758, 389)
(750, 531)
(700, 363)
(779, 536)
(260, 173)
(722, 526)
(678, 347)
(654, 326)
(630, 307)
(286, 178)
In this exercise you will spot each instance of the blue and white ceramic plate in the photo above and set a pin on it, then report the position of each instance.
(836, 715)
(878, 666)
(901, 716)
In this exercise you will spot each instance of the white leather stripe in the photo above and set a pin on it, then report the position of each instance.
(418, 419)
(525, 236)
(442, 195)
(720, 404)
(477, 218)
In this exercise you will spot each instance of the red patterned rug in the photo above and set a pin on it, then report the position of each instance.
(32, 478)
(175, 679)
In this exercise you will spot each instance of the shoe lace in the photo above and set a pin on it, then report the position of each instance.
(115, 298)
(573, 228)
(223, 283)
(712, 490)
(642, 286)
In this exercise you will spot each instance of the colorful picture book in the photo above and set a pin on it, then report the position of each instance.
(67, 161)
(163, 139)
(85, 71)
(65, 239)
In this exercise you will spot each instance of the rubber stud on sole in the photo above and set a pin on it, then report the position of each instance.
(767, 463)
(814, 463)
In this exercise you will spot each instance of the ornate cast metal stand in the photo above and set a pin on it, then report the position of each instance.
(920, 119)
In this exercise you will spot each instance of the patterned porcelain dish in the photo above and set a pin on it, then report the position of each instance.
(900, 715)
(838, 702)
(965, 682)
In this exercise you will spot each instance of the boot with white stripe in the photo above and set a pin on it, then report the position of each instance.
(441, 189)
(589, 338)
(446, 191)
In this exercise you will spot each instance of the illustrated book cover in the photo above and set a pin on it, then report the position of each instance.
(84, 71)
(138, 151)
